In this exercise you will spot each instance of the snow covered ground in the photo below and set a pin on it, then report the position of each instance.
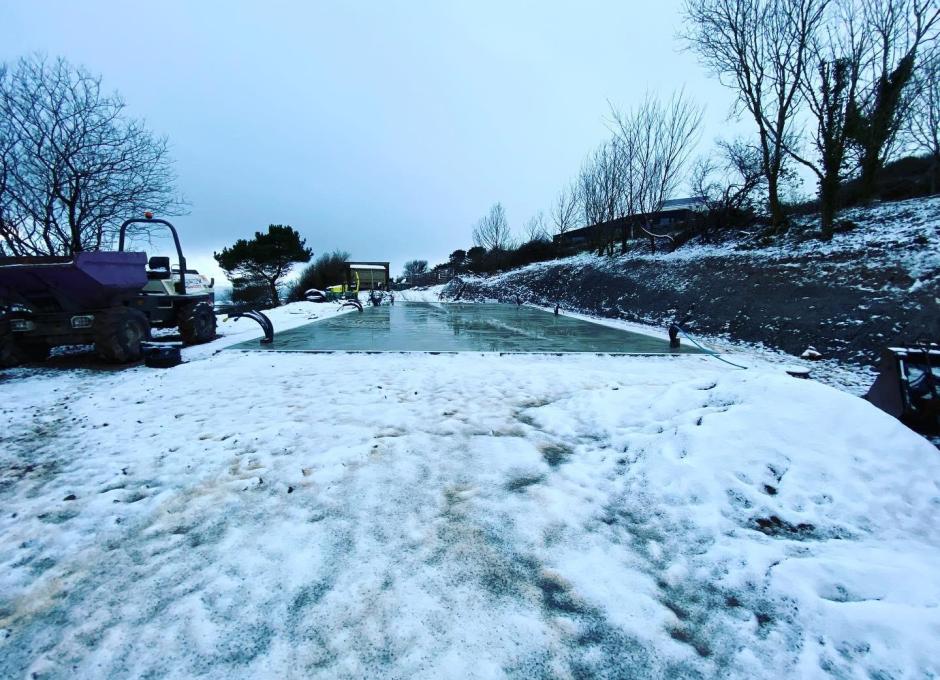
(282, 515)
(884, 234)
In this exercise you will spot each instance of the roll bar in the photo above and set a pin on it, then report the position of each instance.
(181, 285)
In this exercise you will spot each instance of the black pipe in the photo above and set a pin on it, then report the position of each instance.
(262, 320)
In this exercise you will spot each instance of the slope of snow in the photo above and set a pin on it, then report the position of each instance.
(423, 294)
(268, 515)
(902, 232)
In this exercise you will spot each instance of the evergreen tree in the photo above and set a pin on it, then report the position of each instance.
(264, 260)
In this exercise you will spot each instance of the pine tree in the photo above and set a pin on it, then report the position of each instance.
(264, 260)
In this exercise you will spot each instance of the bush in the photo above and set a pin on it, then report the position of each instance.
(537, 250)
(478, 260)
(908, 177)
(327, 270)
(251, 294)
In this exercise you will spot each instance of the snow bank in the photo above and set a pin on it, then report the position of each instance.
(428, 294)
(892, 234)
(263, 515)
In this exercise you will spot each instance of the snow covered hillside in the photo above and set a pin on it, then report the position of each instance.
(251, 515)
(875, 285)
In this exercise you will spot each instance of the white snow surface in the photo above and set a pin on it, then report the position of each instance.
(252, 515)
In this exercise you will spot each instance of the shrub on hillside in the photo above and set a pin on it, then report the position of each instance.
(478, 260)
(909, 177)
(250, 294)
(536, 250)
(328, 269)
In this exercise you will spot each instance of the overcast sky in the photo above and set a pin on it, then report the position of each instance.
(382, 128)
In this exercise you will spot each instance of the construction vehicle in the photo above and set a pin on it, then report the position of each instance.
(345, 291)
(111, 299)
(908, 385)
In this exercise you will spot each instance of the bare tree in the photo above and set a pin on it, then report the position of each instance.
(759, 48)
(897, 30)
(924, 121)
(535, 229)
(600, 184)
(414, 268)
(732, 182)
(73, 165)
(656, 140)
(492, 231)
(729, 185)
(7, 160)
(634, 172)
(835, 58)
(602, 191)
(565, 210)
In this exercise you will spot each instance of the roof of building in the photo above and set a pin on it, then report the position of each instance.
(689, 203)
(367, 265)
(672, 205)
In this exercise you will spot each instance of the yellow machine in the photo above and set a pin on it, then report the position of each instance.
(361, 276)
(345, 290)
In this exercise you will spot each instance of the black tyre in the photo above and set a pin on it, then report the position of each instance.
(13, 352)
(35, 352)
(10, 353)
(118, 334)
(197, 323)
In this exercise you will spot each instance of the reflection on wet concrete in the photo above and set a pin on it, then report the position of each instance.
(432, 327)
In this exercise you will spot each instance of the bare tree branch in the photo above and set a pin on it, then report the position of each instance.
(759, 48)
(535, 228)
(565, 210)
(923, 125)
(835, 59)
(729, 185)
(492, 231)
(74, 167)
(896, 29)
(655, 140)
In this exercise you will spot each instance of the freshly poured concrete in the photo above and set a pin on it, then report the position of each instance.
(430, 327)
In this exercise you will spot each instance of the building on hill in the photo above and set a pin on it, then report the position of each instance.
(442, 273)
(367, 275)
(673, 215)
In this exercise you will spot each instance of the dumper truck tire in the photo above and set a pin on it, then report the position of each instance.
(35, 352)
(14, 353)
(197, 323)
(10, 354)
(118, 334)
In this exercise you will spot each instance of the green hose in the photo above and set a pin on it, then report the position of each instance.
(709, 352)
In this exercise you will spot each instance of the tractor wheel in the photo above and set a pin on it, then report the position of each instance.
(197, 323)
(118, 334)
(10, 353)
(13, 353)
(35, 352)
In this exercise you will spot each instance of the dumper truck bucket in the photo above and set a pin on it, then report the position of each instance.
(908, 386)
(88, 280)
